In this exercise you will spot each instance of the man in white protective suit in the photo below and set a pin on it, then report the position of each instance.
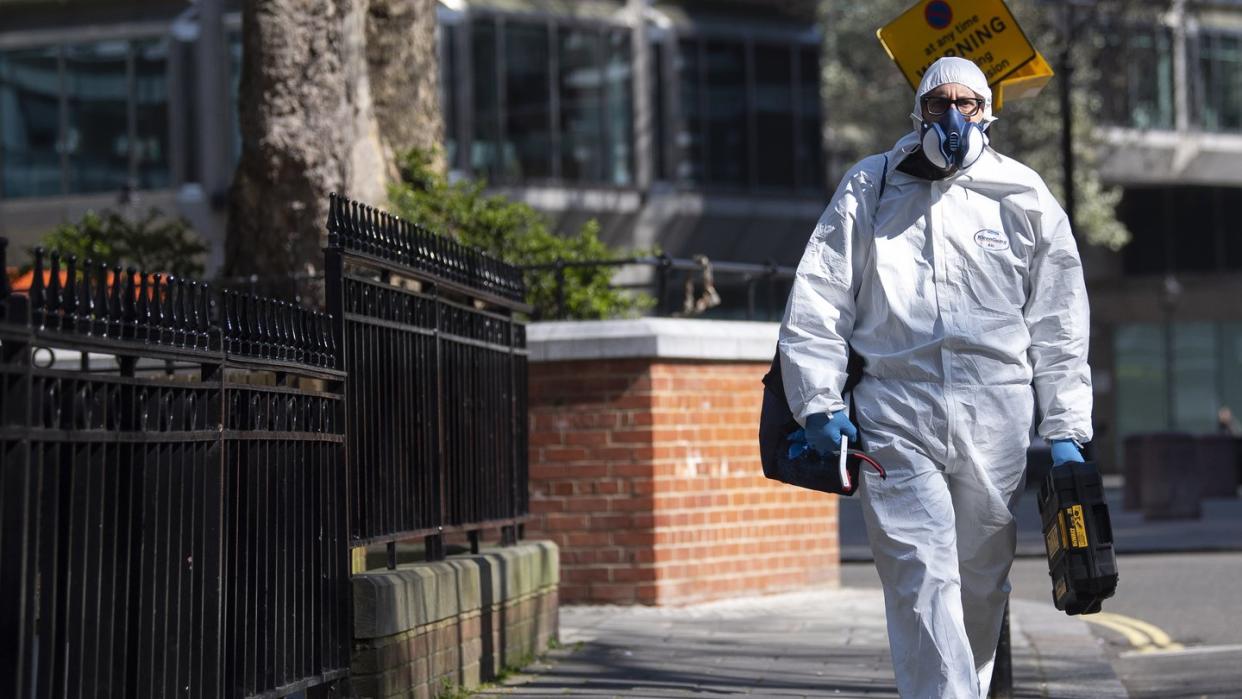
(951, 270)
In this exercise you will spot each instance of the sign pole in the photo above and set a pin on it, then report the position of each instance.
(1067, 116)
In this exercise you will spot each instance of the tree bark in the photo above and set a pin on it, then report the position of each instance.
(405, 77)
(309, 126)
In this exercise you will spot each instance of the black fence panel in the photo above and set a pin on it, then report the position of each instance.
(436, 433)
(185, 470)
(171, 490)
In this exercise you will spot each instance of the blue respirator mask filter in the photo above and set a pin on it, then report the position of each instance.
(952, 142)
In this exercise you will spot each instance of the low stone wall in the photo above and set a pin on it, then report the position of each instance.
(645, 465)
(426, 627)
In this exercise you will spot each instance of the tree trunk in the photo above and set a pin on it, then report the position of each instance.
(309, 127)
(405, 76)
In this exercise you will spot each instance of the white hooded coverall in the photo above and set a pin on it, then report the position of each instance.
(959, 294)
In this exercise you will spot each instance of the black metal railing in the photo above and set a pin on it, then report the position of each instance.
(436, 433)
(185, 469)
(174, 518)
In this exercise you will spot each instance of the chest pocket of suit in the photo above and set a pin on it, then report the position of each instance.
(994, 271)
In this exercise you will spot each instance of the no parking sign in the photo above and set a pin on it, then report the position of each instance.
(983, 31)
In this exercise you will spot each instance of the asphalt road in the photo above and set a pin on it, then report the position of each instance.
(1195, 599)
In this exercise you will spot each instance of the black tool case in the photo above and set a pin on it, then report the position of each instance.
(1079, 538)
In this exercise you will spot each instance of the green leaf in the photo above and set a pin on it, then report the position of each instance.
(154, 242)
(519, 235)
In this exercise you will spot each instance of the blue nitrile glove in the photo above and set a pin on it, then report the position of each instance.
(824, 430)
(797, 443)
(1064, 450)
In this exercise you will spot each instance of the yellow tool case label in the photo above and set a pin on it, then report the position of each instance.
(1052, 540)
(1076, 528)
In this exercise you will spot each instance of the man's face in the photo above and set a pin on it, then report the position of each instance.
(949, 91)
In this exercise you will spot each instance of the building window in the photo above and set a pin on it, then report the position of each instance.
(97, 136)
(579, 55)
(1202, 360)
(30, 123)
(618, 108)
(692, 155)
(725, 113)
(1220, 81)
(774, 112)
(1136, 77)
(810, 155)
(541, 98)
(485, 149)
(527, 103)
(659, 115)
(151, 144)
(749, 115)
(544, 101)
(1185, 229)
(233, 44)
(84, 118)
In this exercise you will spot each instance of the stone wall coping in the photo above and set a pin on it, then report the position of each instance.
(654, 338)
(388, 602)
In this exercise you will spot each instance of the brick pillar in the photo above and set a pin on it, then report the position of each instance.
(645, 466)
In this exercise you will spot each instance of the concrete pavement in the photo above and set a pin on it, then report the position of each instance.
(821, 643)
(833, 643)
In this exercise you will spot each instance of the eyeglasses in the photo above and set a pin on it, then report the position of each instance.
(968, 106)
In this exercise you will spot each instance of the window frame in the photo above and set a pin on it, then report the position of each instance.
(671, 121)
(131, 33)
(460, 23)
(1201, 88)
(795, 43)
(1162, 38)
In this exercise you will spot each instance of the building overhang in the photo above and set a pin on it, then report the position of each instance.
(1133, 157)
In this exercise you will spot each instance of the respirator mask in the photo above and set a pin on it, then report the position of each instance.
(951, 141)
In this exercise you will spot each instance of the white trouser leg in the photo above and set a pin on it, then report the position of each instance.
(910, 523)
(985, 555)
(986, 480)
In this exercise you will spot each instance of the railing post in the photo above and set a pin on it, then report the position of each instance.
(560, 289)
(663, 267)
(433, 547)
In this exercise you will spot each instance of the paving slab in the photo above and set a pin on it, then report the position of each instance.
(820, 643)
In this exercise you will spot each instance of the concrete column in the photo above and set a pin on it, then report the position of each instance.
(644, 119)
(1181, 75)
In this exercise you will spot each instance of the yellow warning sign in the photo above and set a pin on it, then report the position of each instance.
(1077, 527)
(983, 31)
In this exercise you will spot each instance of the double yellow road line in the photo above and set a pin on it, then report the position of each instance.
(1145, 637)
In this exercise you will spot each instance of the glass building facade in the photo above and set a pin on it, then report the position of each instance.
(540, 100)
(1175, 376)
(95, 117)
(84, 118)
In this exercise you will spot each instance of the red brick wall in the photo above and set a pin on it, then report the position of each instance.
(646, 473)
